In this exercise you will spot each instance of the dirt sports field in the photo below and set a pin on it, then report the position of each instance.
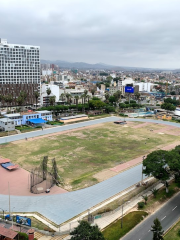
(90, 155)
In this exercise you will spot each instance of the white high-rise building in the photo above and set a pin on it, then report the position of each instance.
(19, 70)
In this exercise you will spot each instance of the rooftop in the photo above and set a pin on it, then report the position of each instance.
(72, 117)
(6, 120)
(8, 233)
(43, 111)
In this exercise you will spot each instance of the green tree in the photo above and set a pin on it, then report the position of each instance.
(168, 106)
(52, 100)
(155, 164)
(77, 98)
(157, 230)
(145, 199)
(106, 96)
(62, 96)
(137, 95)
(84, 231)
(48, 91)
(93, 91)
(36, 95)
(68, 97)
(98, 104)
(112, 99)
(154, 192)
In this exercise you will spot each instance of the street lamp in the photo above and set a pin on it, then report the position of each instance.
(142, 170)
(12, 218)
(122, 212)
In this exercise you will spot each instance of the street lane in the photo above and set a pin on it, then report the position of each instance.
(78, 125)
(167, 215)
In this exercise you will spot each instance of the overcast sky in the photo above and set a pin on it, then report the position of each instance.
(136, 33)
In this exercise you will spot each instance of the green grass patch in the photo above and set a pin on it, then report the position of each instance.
(115, 232)
(174, 233)
(55, 123)
(162, 196)
(82, 153)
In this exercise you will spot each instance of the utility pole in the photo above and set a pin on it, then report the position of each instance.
(9, 201)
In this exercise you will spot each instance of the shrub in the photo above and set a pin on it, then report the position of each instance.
(179, 232)
(141, 205)
(23, 236)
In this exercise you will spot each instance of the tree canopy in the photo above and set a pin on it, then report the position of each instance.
(157, 230)
(96, 104)
(155, 164)
(84, 231)
(168, 106)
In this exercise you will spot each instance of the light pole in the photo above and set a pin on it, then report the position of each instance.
(142, 171)
(122, 213)
(12, 218)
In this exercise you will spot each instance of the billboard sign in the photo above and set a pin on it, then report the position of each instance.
(23, 220)
(129, 89)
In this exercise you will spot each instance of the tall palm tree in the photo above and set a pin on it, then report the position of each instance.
(88, 97)
(77, 98)
(85, 95)
(68, 97)
(93, 91)
(36, 95)
(107, 96)
(52, 100)
(48, 91)
(62, 96)
(119, 94)
(137, 95)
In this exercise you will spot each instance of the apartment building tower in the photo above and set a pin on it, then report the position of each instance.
(19, 72)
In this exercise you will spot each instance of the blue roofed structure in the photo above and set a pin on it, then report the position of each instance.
(37, 121)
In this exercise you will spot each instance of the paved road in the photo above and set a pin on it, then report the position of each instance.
(55, 129)
(78, 125)
(62, 207)
(168, 215)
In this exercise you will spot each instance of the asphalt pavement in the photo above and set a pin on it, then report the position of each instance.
(78, 125)
(62, 207)
(168, 215)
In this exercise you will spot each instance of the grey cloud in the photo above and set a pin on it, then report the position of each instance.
(126, 32)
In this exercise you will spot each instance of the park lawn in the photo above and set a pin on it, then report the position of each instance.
(3, 134)
(82, 153)
(162, 196)
(115, 232)
(173, 233)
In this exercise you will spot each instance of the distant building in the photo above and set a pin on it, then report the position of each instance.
(145, 86)
(19, 71)
(25, 118)
(54, 92)
(7, 124)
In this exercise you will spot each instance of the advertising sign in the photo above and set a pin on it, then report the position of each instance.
(129, 89)
(23, 220)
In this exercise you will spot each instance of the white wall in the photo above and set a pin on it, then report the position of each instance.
(145, 86)
(54, 91)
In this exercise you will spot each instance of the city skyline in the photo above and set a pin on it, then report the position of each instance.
(121, 33)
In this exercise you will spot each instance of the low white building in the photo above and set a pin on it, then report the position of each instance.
(54, 92)
(145, 86)
(7, 124)
(46, 115)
